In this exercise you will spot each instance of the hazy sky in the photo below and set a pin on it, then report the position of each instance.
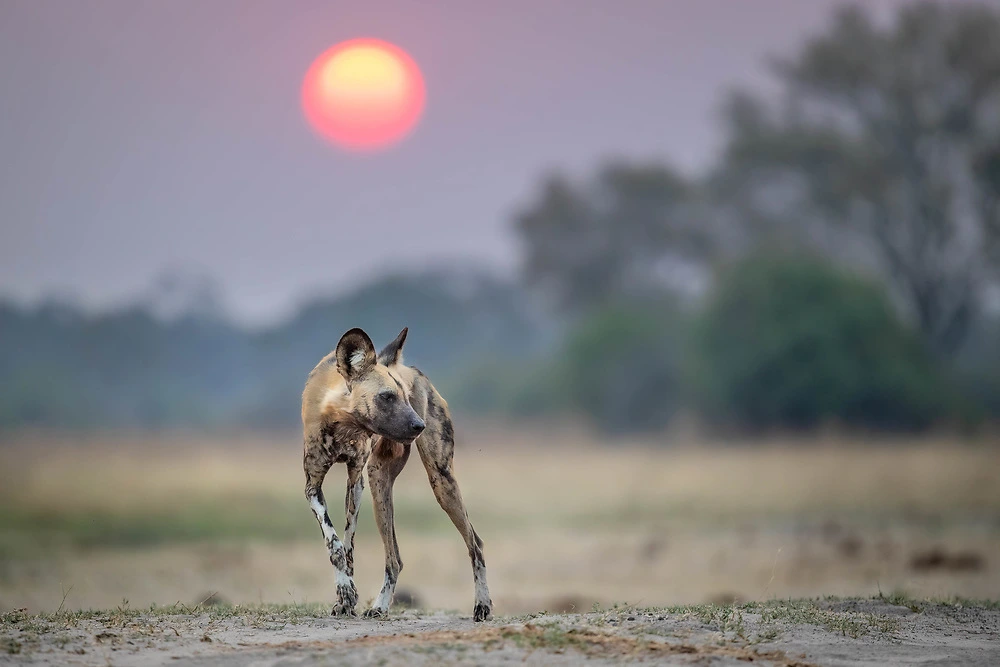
(140, 136)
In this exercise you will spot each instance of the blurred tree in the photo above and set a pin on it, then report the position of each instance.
(621, 366)
(888, 142)
(794, 342)
(150, 366)
(521, 387)
(977, 367)
(613, 237)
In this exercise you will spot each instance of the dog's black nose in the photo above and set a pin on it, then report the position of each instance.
(417, 427)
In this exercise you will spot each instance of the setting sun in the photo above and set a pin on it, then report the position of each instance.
(363, 94)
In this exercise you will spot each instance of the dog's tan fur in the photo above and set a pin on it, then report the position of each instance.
(348, 417)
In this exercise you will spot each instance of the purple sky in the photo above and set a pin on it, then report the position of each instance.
(139, 137)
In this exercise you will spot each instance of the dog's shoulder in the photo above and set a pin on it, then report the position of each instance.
(325, 393)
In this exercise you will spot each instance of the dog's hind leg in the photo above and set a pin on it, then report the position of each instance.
(382, 473)
(316, 464)
(436, 452)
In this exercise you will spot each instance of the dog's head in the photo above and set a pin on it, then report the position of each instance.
(378, 400)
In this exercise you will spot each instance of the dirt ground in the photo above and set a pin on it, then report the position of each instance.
(124, 522)
(829, 632)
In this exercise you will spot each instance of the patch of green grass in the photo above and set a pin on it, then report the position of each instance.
(901, 599)
(846, 623)
(12, 617)
(767, 635)
(993, 605)
(525, 618)
(10, 645)
(26, 531)
(549, 636)
(760, 621)
(919, 604)
(254, 615)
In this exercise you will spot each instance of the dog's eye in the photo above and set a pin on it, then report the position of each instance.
(387, 396)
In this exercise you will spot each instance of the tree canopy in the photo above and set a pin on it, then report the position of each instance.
(884, 142)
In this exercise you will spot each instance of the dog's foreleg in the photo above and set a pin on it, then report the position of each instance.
(316, 465)
(382, 473)
(355, 488)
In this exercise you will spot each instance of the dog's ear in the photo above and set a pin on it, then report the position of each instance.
(393, 352)
(355, 354)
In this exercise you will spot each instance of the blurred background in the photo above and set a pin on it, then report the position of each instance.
(713, 290)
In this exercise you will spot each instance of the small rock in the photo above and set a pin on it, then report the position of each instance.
(407, 599)
(938, 558)
(724, 599)
(850, 546)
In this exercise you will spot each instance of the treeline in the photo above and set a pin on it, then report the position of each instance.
(838, 264)
(780, 343)
(62, 367)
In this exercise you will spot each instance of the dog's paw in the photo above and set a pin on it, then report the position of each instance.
(376, 613)
(343, 610)
(348, 600)
(483, 611)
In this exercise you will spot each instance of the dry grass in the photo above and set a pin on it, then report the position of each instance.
(570, 475)
(168, 518)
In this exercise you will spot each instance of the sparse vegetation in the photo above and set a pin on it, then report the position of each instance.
(628, 537)
(756, 622)
(745, 631)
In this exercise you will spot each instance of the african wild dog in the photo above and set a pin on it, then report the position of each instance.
(358, 408)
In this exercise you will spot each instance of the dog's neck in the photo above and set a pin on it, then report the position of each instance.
(343, 432)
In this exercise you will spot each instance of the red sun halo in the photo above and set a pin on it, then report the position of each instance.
(363, 94)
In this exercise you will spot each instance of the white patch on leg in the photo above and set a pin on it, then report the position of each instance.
(384, 597)
(482, 589)
(320, 511)
(342, 578)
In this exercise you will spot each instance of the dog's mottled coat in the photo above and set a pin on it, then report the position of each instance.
(362, 409)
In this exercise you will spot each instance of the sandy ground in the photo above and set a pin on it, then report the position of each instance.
(835, 632)
(123, 523)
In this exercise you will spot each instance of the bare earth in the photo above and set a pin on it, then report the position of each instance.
(124, 522)
(829, 632)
